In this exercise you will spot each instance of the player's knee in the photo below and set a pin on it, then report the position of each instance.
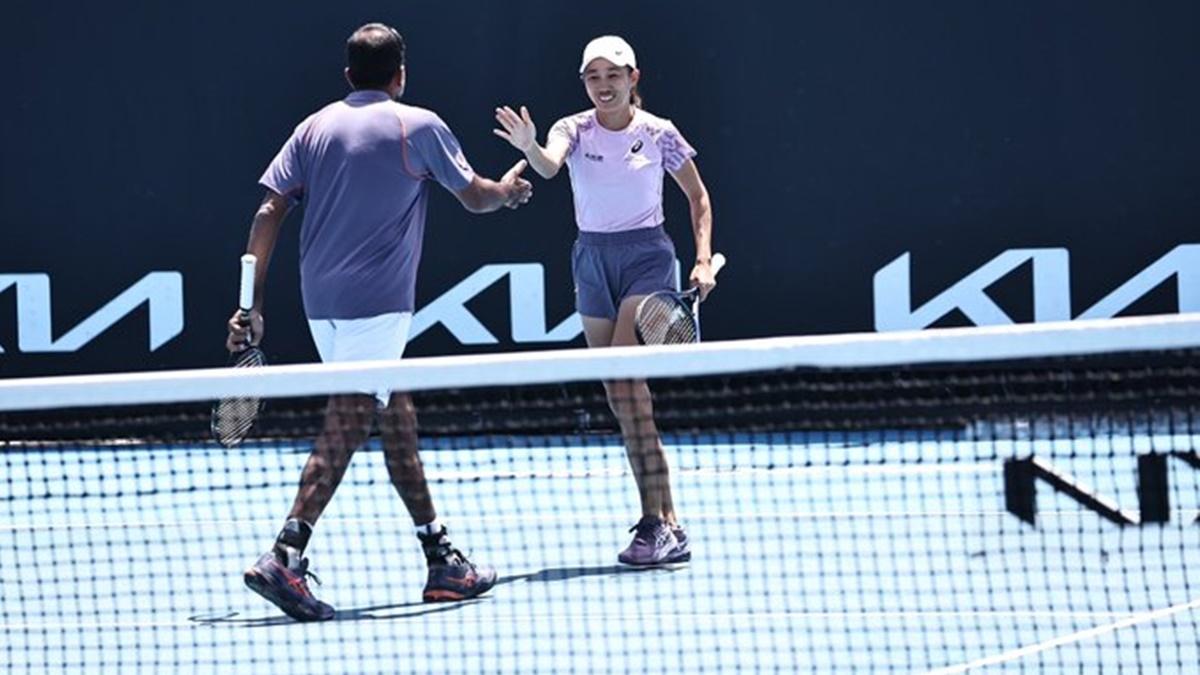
(630, 401)
(619, 393)
(400, 413)
(337, 444)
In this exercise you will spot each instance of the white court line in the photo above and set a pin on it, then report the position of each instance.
(568, 517)
(565, 517)
(238, 621)
(435, 475)
(866, 470)
(1015, 654)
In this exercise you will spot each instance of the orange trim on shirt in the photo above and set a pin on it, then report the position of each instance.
(404, 150)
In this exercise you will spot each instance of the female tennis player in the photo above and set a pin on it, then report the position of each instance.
(617, 153)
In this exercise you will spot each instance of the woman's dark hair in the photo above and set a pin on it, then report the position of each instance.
(635, 97)
(373, 54)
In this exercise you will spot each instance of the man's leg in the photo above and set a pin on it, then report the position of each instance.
(280, 575)
(451, 575)
(347, 425)
(398, 427)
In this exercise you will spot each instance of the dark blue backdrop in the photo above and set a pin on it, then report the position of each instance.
(833, 136)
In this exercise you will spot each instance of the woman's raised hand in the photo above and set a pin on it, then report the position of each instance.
(518, 129)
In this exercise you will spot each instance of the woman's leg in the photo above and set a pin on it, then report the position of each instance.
(633, 407)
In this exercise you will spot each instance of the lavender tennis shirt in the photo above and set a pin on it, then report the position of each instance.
(362, 167)
(617, 176)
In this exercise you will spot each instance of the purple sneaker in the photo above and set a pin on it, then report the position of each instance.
(682, 552)
(653, 543)
(287, 588)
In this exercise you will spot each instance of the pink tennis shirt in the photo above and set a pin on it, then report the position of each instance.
(617, 176)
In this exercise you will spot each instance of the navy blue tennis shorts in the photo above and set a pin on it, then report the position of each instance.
(611, 266)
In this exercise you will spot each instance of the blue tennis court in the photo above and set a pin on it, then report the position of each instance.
(813, 552)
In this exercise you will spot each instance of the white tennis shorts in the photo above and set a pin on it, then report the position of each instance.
(376, 338)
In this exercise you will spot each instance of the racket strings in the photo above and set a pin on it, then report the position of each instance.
(233, 417)
(665, 321)
(250, 358)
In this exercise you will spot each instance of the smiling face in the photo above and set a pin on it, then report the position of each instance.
(608, 85)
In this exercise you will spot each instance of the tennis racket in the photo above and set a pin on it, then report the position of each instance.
(670, 317)
(233, 417)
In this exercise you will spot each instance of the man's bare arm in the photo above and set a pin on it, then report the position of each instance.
(483, 195)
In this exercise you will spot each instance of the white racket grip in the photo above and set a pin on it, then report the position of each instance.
(718, 261)
(246, 289)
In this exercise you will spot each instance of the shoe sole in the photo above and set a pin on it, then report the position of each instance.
(257, 583)
(680, 562)
(677, 560)
(447, 595)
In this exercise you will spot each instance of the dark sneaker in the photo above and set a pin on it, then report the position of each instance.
(457, 580)
(653, 543)
(451, 576)
(287, 588)
(683, 551)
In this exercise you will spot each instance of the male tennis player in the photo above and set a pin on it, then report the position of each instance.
(617, 153)
(363, 166)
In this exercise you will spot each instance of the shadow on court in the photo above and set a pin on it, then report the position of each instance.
(374, 613)
(567, 573)
(415, 609)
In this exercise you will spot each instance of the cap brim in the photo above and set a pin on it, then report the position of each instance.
(616, 62)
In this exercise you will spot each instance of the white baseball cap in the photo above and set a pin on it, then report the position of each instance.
(609, 47)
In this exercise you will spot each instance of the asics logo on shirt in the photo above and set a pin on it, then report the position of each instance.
(636, 146)
(594, 158)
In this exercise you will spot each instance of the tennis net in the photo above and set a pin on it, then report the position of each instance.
(1020, 497)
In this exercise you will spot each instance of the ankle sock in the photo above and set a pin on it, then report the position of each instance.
(292, 540)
